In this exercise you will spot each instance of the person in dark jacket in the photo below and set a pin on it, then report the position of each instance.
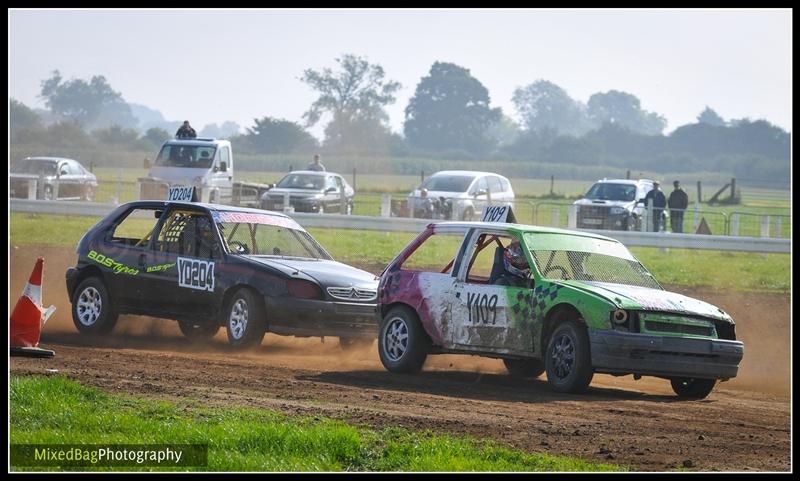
(659, 202)
(678, 202)
(186, 131)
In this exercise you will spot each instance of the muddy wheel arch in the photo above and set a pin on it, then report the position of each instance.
(557, 314)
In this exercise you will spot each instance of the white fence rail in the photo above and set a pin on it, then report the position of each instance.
(398, 224)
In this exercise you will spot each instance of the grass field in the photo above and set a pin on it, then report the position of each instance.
(60, 411)
(723, 270)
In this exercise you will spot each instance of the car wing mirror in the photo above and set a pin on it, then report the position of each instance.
(330, 189)
(480, 192)
(146, 163)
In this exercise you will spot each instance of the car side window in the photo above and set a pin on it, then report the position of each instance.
(486, 261)
(481, 184)
(338, 182)
(506, 185)
(330, 182)
(134, 228)
(436, 254)
(495, 187)
(188, 233)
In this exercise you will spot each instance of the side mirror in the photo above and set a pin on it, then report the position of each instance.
(330, 189)
(146, 163)
(272, 185)
(480, 193)
(223, 166)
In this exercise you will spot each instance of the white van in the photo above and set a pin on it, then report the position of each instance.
(206, 164)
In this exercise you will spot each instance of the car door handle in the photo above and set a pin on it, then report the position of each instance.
(142, 260)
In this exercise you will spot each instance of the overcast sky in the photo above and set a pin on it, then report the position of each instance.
(213, 66)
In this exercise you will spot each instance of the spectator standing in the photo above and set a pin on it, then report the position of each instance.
(678, 202)
(316, 165)
(659, 202)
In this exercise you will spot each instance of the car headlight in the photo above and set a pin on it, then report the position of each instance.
(617, 210)
(198, 179)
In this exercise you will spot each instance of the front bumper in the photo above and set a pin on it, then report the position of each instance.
(603, 222)
(321, 318)
(298, 205)
(630, 353)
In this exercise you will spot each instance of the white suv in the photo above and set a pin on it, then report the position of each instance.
(462, 194)
(613, 204)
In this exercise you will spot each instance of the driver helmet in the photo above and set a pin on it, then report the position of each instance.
(514, 260)
(204, 229)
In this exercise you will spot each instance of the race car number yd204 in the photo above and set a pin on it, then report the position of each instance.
(196, 274)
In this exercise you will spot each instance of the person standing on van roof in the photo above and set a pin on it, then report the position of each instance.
(316, 165)
(186, 131)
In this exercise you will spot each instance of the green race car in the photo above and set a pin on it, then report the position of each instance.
(570, 304)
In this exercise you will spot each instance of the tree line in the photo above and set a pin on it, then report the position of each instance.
(449, 117)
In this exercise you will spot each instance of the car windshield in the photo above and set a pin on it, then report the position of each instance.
(606, 191)
(34, 166)
(193, 156)
(565, 257)
(267, 235)
(447, 183)
(302, 181)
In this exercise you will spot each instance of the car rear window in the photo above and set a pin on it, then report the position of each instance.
(447, 183)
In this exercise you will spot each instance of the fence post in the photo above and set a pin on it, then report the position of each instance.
(286, 203)
(572, 216)
(764, 226)
(354, 179)
(342, 201)
(386, 205)
(33, 187)
(628, 174)
(777, 233)
(699, 193)
(552, 179)
(649, 216)
(555, 217)
(421, 176)
(734, 231)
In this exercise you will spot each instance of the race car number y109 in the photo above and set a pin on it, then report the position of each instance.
(209, 266)
(547, 300)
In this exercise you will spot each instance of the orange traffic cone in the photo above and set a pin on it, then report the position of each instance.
(28, 317)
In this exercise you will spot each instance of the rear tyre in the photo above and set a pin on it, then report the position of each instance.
(524, 368)
(692, 388)
(568, 359)
(354, 343)
(198, 331)
(244, 319)
(92, 312)
(402, 342)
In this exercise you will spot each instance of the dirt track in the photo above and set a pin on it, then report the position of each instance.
(743, 425)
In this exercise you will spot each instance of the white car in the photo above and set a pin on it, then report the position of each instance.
(461, 194)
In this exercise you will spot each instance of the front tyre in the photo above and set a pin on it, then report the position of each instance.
(692, 388)
(402, 343)
(244, 319)
(568, 359)
(524, 368)
(91, 307)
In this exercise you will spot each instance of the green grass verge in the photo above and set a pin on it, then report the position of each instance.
(55, 409)
(739, 271)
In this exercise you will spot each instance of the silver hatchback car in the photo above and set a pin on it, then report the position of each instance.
(459, 194)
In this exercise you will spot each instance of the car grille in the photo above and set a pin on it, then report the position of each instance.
(352, 293)
(654, 326)
(594, 211)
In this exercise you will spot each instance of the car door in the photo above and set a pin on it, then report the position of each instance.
(182, 266)
(68, 181)
(123, 252)
(487, 316)
(222, 180)
(332, 194)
